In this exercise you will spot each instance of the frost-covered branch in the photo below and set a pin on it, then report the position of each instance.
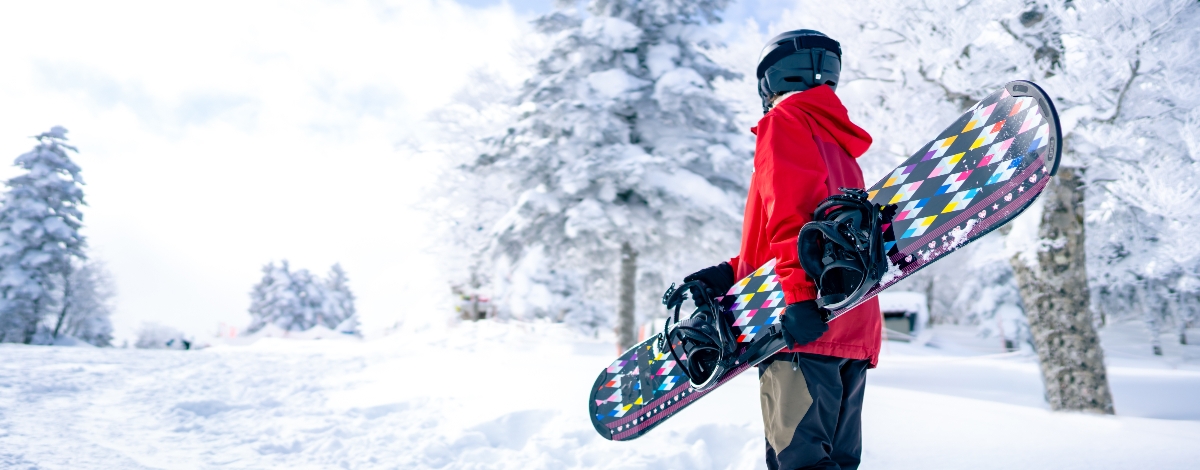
(1133, 75)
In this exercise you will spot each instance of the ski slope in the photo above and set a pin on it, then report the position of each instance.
(512, 396)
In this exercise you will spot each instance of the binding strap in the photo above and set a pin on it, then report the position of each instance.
(842, 248)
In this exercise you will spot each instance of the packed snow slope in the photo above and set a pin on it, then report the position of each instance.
(487, 395)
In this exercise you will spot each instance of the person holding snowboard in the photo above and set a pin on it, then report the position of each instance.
(812, 391)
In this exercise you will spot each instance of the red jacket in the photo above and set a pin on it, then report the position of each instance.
(806, 150)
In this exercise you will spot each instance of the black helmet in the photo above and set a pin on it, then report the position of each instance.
(796, 61)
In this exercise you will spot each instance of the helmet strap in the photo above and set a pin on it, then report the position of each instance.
(818, 61)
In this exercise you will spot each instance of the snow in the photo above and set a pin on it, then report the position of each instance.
(958, 236)
(516, 399)
(614, 83)
(71, 341)
(661, 58)
(902, 301)
(674, 87)
(272, 330)
(891, 274)
(899, 301)
(613, 33)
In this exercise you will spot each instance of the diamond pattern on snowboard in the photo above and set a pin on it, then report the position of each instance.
(991, 144)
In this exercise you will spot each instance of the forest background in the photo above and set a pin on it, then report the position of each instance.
(621, 164)
(293, 124)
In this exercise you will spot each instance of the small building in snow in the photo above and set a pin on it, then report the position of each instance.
(905, 314)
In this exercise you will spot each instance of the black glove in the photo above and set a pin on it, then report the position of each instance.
(719, 278)
(803, 323)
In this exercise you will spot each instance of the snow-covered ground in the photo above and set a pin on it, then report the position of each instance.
(513, 396)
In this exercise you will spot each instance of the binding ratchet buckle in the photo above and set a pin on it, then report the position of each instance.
(702, 345)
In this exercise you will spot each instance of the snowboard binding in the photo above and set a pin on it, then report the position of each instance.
(842, 248)
(706, 342)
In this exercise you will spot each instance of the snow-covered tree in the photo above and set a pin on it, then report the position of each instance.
(297, 300)
(617, 149)
(39, 234)
(1129, 121)
(86, 304)
(989, 297)
(1145, 172)
(339, 301)
(1121, 73)
(289, 299)
(156, 336)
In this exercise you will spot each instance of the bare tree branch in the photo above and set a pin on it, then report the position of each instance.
(1007, 29)
(964, 100)
(1133, 75)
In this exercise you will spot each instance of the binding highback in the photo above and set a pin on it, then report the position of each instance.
(842, 248)
(706, 342)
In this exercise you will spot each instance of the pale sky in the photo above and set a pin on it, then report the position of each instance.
(217, 136)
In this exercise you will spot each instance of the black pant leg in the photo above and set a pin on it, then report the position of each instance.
(829, 435)
(847, 439)
(804, 419)
(772, 460)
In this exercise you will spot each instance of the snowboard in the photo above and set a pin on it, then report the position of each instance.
(978, 174)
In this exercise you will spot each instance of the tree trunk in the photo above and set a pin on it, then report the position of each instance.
(1152, 313)
(62, 315)
(31, 323)
(930, 300)
(1179, 313)
(626, 325)
(1056, 297)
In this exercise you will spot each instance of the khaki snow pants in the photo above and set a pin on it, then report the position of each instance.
(812, 411)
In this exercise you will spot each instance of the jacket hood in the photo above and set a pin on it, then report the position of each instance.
(821, 107)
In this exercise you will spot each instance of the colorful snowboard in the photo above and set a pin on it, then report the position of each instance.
(978, 174)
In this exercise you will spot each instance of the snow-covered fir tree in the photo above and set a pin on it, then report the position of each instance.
(39, 234)
(617, 145)
(86, 304)
(297, 300)
(289, 299)
(339, 301)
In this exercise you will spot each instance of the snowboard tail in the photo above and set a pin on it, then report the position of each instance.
(978, 174)
(645, 385)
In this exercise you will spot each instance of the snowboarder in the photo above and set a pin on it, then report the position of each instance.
(811, 392)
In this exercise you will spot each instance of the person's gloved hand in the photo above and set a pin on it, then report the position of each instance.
(719, 278)
(803, 323)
